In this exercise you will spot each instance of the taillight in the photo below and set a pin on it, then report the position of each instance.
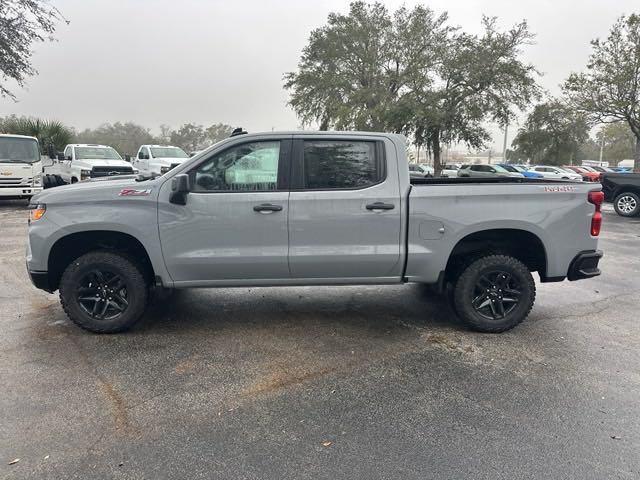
(596, 198)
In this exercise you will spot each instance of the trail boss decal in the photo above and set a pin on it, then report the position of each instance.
(132, 192)
(560, 188)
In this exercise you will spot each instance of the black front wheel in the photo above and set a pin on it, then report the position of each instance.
(494, 293)
(103, 292)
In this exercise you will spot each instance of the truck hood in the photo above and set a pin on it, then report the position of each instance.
(97, 190)
(102, 163)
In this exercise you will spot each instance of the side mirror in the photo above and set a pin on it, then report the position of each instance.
(60, 157)
(180, 187)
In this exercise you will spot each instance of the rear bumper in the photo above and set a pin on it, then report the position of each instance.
(40, 280)
(585, 265)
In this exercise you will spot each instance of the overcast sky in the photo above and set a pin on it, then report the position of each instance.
(209, 61)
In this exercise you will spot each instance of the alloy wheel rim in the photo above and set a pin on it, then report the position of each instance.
(496, 294)
(102, 294)
(627, 204)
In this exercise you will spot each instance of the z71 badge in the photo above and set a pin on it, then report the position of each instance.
(132, 192)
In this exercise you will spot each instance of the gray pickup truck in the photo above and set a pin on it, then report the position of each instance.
(310, 209)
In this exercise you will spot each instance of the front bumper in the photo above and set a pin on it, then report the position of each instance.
(585, 265)
(19, 192)
(40, 280)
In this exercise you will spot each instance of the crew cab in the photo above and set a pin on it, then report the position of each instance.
(158, 159)
(20, 166)
(305, 208)
(82, 161)
(623, 190)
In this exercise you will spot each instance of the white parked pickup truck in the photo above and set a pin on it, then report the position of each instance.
(85, 161)
(20, 167)
(157, 160)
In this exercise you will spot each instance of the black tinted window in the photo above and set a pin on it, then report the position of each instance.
(341, 164)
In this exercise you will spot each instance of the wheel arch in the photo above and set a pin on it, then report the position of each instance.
(73, 245)
(522, 244)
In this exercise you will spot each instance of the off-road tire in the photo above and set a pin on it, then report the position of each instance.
(467, 286)
(136, 287)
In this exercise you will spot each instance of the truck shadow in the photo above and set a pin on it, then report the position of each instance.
(381, 308)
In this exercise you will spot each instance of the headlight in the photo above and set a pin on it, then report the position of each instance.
(36, 212)
(164, 170)
(37, 180)
(84, 174)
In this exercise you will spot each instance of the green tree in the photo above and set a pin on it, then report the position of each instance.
(190, 137)
(619, 141)
(23, 23)
(552, 133)
(48, 132)
(126, 137)
(412, 73)
(609, 89)
(217, 132)
(356, 69)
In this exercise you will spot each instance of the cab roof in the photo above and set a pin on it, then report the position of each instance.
(94, 145)
(12, 135)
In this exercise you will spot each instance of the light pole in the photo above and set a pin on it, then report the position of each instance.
(504, 144)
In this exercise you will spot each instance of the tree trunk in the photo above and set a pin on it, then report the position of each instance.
(636, 161)
(435, 148)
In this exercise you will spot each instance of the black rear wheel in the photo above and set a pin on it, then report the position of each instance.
(103, 292)
(494, 293)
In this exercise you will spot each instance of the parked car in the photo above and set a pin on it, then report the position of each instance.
(551, 172)
(622, 169)
(450, 170)
(520, 169)
(586, 174)
(623, 189)
(158, 159)
(338, 208)
(418, 170)
(602, 169)
(20, 167)
(81, 161)
(486, 170)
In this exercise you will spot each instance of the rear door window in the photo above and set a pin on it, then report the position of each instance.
(341, 164)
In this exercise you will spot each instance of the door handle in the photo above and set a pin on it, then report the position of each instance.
(380, 206)
(267, 208)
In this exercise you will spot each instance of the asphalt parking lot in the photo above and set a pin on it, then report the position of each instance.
(332, 382)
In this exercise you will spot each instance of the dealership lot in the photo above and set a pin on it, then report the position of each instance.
(335, 382)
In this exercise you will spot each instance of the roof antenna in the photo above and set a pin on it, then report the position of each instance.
(238, 131)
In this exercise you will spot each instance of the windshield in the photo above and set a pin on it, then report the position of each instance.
(19, 150)
(500, 169)
(168, 152)
(96, 153)
(450, 167)
(510, 168)
(520, 169)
